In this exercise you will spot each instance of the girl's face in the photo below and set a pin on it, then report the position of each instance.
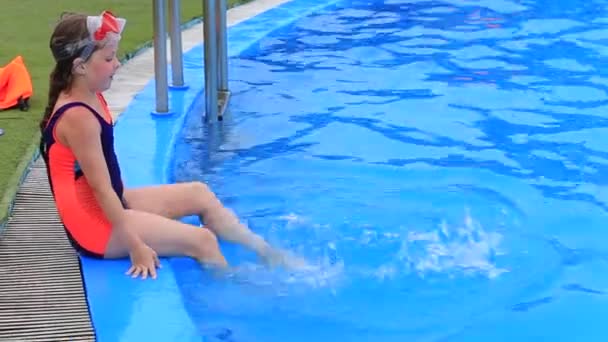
(100, 68)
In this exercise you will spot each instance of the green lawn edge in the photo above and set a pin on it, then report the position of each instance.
(13, 185)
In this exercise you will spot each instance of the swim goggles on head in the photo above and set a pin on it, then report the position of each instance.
(103, 29)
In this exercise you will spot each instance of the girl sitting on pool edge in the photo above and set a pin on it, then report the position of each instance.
(102, 219)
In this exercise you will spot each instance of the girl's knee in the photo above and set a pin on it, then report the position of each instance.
(199, 188)
(205, 236)
(206, 247)
(204, 195)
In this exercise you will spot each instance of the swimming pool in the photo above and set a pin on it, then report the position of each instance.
(439, 161)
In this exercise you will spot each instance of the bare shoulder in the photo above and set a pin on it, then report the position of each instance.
(77, 126)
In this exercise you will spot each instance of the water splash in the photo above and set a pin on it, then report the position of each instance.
(337, 257)
(467, 249)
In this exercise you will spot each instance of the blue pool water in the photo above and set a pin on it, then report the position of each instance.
(439, 163)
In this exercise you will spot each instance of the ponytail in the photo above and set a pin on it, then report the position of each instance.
(60, 80)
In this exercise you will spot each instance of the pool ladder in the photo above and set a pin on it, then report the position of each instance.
(217, 93)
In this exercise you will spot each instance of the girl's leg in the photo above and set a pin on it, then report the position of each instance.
(168, 200)
(169, 238)
(195, 198)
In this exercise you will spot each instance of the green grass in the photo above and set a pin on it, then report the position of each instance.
(25, 29)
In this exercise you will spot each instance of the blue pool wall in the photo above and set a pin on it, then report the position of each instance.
(124, 309)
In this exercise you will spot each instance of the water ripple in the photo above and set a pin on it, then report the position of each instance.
(378, 120)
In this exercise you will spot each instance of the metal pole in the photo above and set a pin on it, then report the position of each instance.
(160, 58)
(210, 43)
(177, 67)
(222, 51)
(222, 46)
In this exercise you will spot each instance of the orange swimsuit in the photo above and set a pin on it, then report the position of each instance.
(85, 223)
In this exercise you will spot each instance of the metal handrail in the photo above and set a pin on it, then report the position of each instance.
(222, 58)
(217, 92)
(210, 44)
(177, 65)
(160, 58)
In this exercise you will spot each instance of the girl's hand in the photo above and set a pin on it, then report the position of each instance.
(144, 261)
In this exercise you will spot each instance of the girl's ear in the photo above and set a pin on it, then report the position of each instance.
(79, 68)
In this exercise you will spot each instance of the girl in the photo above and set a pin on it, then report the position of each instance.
(101, 218)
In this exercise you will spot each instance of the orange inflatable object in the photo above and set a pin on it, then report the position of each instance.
(15, 85)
